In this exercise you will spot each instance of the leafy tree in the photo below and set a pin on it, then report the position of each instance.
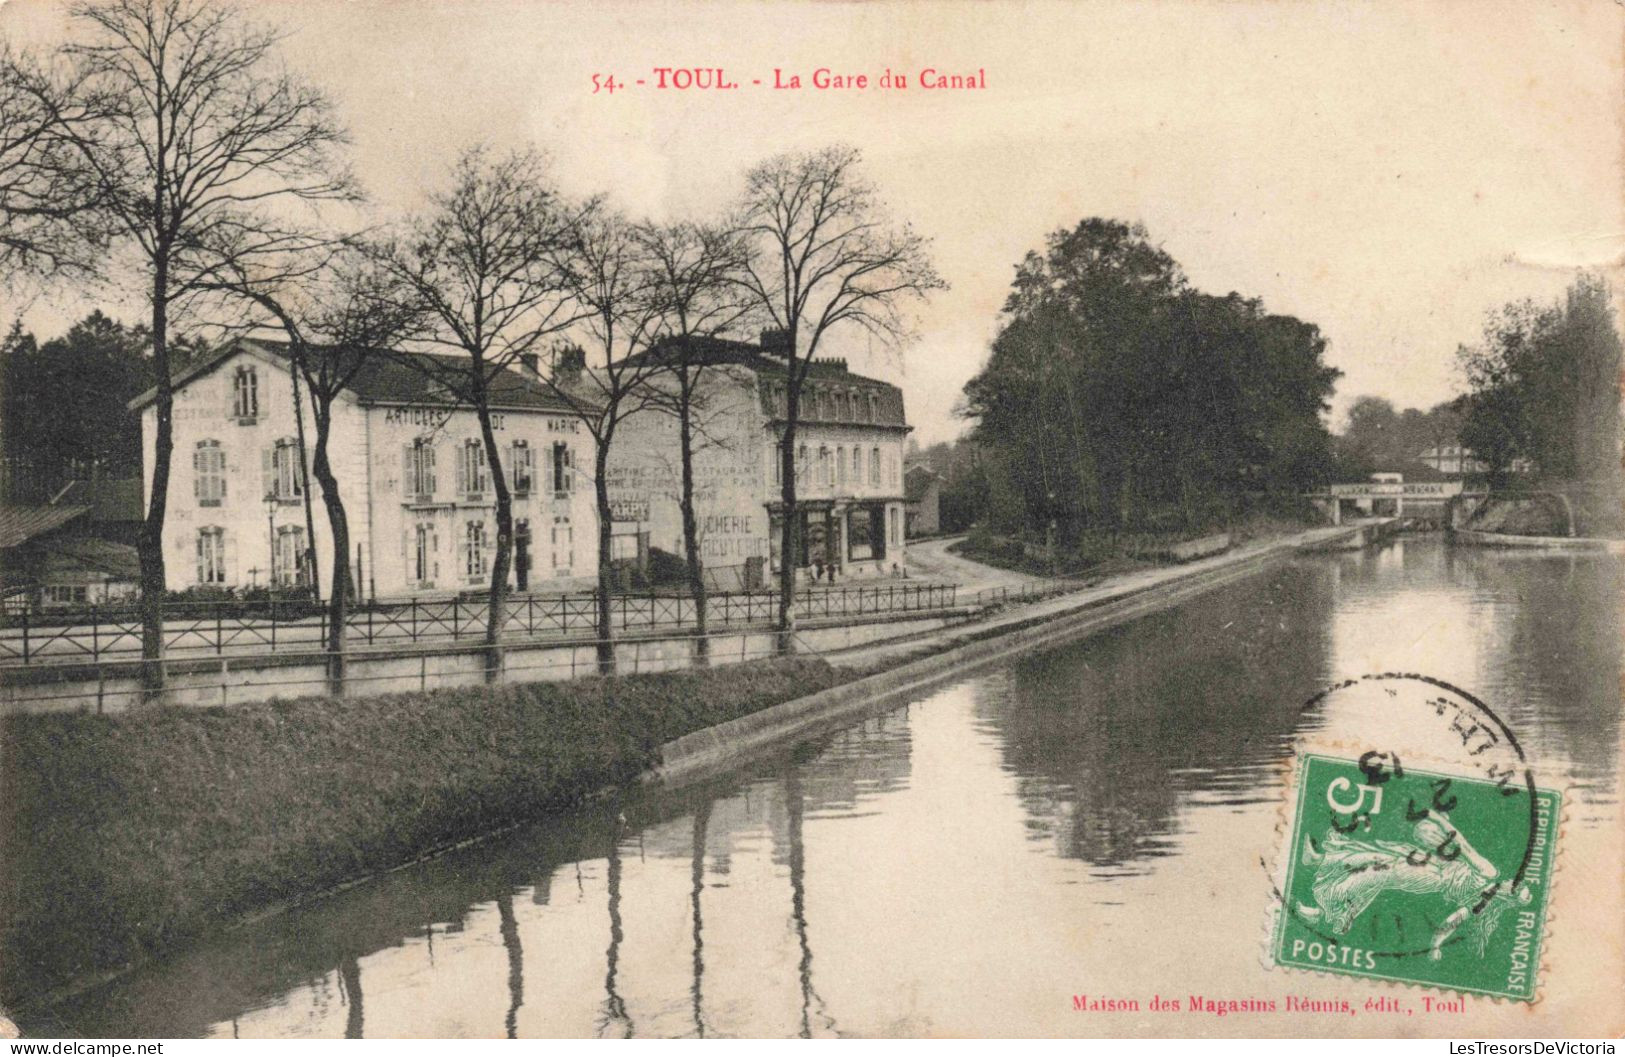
(340, 312)
(485, 266)
(824, 256)
(614, 289)
(51, 219)
(202, 148)
(1544, 385)
(65, 400)
(1115, 396)
(694, 273)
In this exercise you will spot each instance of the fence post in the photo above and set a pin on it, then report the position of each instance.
(530, 615)
(322, 626)
(423, 670)
(456, 610)
(414, 618)
(101, 686)
(26, 608)
(225, 671)
(369, 625)
(273, 624)
(219, 629)
(95, 647)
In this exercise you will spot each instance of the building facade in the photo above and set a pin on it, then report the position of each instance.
(411, 468)
(923, 487)
(849, 456)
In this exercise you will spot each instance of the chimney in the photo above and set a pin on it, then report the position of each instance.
(568, 363)
(529, 366)
(776, 342)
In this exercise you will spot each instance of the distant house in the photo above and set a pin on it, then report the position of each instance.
(49, 559)
(1452, 459)
(922, 490)
(1458, 460)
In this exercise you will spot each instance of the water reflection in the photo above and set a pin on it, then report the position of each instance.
(961, 865)
(1109, 736)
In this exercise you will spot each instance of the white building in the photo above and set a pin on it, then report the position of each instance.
(849, 443)
(411, 469)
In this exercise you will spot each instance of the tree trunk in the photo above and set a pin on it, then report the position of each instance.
(497, 613)
(304, 470)
(339, 525)
(787, 534)
(691, 543)
(151, 539)
(606, 571)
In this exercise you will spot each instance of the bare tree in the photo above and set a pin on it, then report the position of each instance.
(341, 313)
(611, 282)
(823, 256)
(695, 287)
(485, 265)
(203, 146)
(50, 222)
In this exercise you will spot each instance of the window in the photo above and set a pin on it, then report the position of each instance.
(66, 593)
(522, 468)
(285, 471)
(801, 464)
(891, 471)
(290, 555)
(840, 404)
(211, 555)
(860, 529)
(874, 407)
(826, 472)
(474, 550)
(425, 555)
(775, 455)
(564, 536)
(857, 467)
(471, 479)
(209, 473)
(874, 467)
(245, 396)
(562, 470)
(419, 461)
(840, 466)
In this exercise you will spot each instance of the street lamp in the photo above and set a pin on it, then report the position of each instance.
(270, 534)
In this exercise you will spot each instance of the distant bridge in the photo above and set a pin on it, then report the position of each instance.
(1430, 499)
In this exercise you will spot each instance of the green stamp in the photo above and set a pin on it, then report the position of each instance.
(1423, 878)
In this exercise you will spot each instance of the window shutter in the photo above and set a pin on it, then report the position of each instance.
(408, 478)
(197, 473)
(462, 467)
(268, 470)
(228, 556)
(430, 483)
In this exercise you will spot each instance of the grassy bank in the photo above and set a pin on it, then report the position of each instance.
(1106, 553)
(124, 835)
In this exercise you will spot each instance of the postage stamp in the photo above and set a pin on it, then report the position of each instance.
(1417, 876)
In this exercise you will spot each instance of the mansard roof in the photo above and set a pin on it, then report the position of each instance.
(393, 377)
(824, 376)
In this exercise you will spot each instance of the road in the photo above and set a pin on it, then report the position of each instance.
(931, 560)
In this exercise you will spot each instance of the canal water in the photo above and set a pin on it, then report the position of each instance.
(1087, 820)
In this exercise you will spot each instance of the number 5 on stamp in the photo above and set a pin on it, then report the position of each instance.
(1416, 877)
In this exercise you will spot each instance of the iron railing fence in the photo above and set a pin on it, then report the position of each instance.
(197, 628)
(231, 687)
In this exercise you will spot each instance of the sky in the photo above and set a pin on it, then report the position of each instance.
(1387, 171)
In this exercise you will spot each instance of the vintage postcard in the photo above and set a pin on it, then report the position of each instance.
(907, 519)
